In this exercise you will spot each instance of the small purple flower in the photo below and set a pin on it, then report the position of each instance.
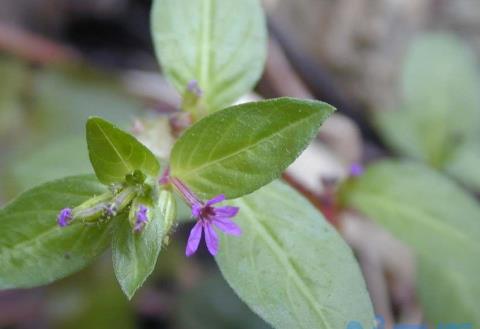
(64, 217)
(194, 88)
(207, 217)
(356, 170)
(142, 218)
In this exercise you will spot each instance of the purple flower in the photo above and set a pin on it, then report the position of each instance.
(64, 217)
(207, 217)
(356, 170)
(142, 218)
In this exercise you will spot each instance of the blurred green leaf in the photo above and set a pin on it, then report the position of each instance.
(290, 266)
(53, 105)
(465, 165)
(400, 132)
(115, 153)
(435, 217)
(65, 97)
(213, 305)
(206, 41)
(239, 149)
(33, 249)
(66, 157)
(441, 103)
(446, 292)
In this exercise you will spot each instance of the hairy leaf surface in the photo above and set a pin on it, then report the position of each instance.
(33, 249)
(290, 266)
(240, 149)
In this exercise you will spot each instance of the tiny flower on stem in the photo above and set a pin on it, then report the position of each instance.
(207, 217)
(194, 88)
(142, 218)
(64, 217)
(356, 170)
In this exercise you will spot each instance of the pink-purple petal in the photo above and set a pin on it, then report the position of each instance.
(194, 239)
(226, 211)
(196, 210)
(211, 239)
(227, 226)
(216, 199)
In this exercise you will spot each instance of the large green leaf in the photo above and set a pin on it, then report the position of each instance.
(433, 216)
(290, 266)
(422, 207)
(115, 153)
(465, 165)
(135, 254)
(219, 43)
(441, 103)
(449, 294)
(240, 149)
(33, 249)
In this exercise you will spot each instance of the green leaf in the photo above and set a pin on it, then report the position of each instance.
(219, 43)
(419, 205)
(290, 266)
(65, 97)
(66, 157)
(33, 249)
(135, 254)
(465, 165)
(441, 103)
(240, 149)
(115, 153)
(449, 294)
(433, 216)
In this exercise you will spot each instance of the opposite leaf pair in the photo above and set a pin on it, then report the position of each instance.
(231, 152)
(227, 154)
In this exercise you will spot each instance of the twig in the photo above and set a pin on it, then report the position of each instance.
(32, 47)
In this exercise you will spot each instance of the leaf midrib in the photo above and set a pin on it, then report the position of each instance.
(18, 248)
(285, 261)
(205, 43)
(114, 148)
(243, 149)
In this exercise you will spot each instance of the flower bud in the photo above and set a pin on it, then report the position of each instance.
(93, 209)
(121, 201)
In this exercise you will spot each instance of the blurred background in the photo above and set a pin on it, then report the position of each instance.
(398, 72)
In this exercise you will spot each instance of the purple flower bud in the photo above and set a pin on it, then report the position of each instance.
(194, 88)
(64, 217)
(356, 170)
(142, 218)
